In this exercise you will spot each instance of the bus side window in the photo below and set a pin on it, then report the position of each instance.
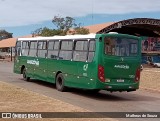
(33, 49)
(91, 50)
(65, 52)
(18, 48)
(42, 49)
(80, 52)
(53, 47)
(25, 48)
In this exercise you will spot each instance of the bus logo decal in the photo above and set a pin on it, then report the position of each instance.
(85, 67)
(33, 62)
(122, 59)
(122, 66)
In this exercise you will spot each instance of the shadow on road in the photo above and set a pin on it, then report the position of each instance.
(102, 95)
(115, 96)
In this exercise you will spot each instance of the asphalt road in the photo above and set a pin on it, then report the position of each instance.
(138, 101)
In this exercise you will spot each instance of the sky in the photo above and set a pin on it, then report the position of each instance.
(22, 17)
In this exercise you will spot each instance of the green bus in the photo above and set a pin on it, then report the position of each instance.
(93, 62)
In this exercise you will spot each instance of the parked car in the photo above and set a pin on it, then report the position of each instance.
(156, 65)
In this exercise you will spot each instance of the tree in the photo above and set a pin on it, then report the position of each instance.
(36, 32)
(50, 32)
(63, 25)
(4, 34)
(46, 32)
(81, 30)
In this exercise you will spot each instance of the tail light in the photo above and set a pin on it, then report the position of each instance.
(101, 73)
(137, 76)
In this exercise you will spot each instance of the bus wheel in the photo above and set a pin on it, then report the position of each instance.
(60, 83)
(25, 76)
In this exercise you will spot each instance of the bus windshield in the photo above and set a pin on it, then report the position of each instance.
(120, 46)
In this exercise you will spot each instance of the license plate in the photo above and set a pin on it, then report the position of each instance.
(120, 80)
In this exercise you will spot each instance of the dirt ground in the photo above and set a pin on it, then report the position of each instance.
(150, 79)
(16, 99)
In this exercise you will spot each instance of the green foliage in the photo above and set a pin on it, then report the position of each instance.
(63, 26)
(50, 32)
(81, 30)
(4, 34)
(46, 32)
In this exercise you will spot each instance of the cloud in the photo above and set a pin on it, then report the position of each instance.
(20, 12)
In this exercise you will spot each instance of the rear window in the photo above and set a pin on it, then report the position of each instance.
(118, 46)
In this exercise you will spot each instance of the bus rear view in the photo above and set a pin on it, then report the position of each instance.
(119, 66)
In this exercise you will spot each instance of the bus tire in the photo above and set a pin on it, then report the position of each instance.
(60, 83)
(25, 76)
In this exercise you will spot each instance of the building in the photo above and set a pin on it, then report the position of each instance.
(148, 28)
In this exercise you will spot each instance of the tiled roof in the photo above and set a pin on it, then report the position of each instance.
(97, 27)
(10, 42)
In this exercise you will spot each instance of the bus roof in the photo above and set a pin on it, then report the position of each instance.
(88, 36)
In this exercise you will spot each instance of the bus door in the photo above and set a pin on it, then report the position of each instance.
(84, 53)
(32, 62)
(17, 65)
(52, 60)
(67, 64)
(41, 67)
